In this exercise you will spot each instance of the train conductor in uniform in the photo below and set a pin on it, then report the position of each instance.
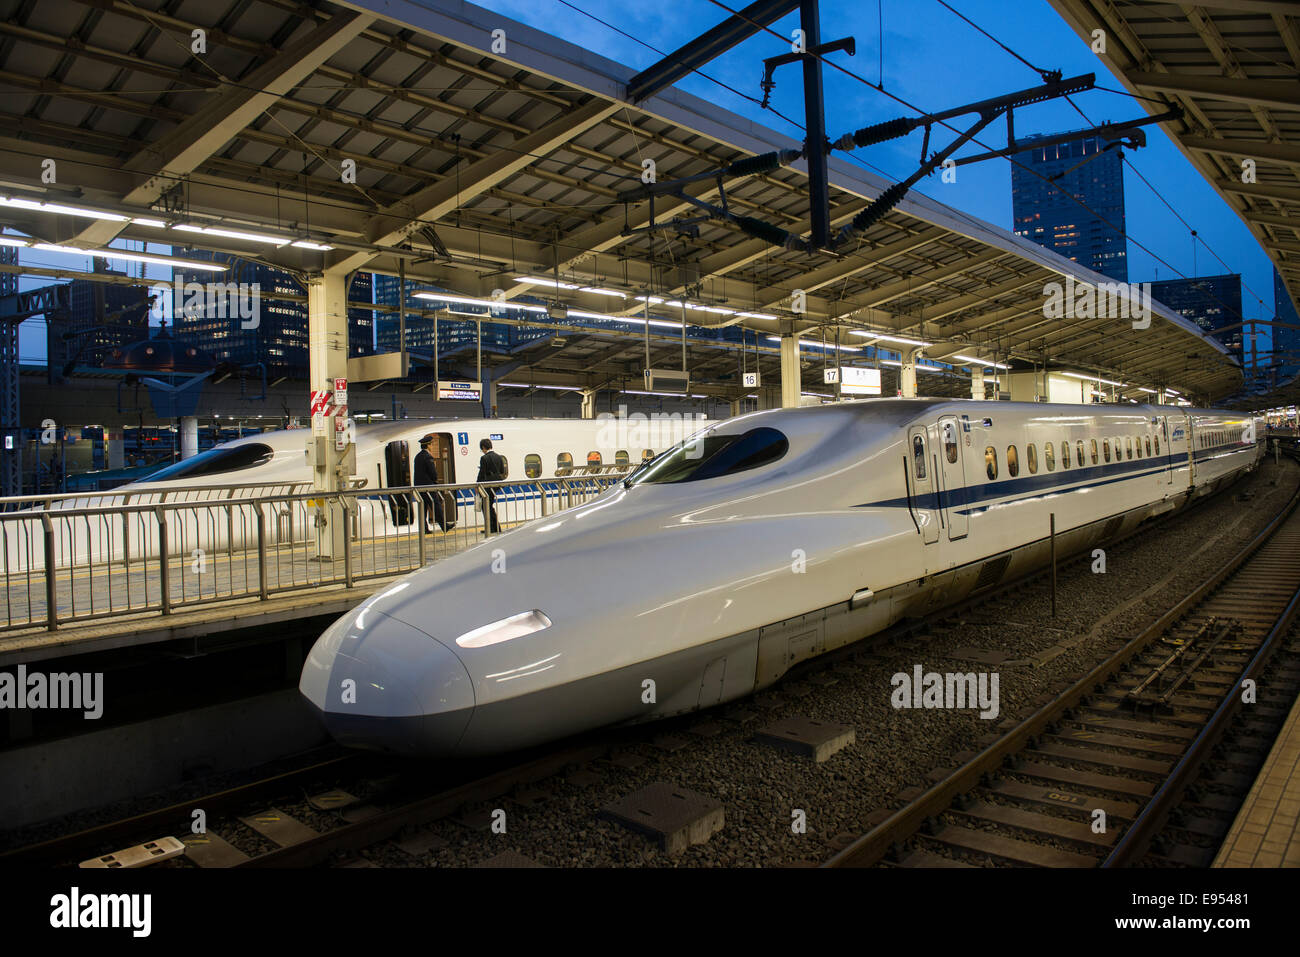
(491, 468)
(426, 473)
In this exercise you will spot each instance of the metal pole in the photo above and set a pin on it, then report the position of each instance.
(683, 334)
(164, 570)
(815, 120)
(401, 306)
(261, 551)
(1053, 539)
(51, 595)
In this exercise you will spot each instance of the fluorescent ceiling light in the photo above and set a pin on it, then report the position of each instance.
(59, 208)
(12, 241)
(132, 257)
(144, 221)
(485, 303)
(982, 362)
(232, 234)
(756, 315)
(920, 366)
(817, 345)
(671, 395)
(883, 337)
(308, 244)
(604, 292)
(583, 314)
(554, 284)
(524, 385)
(1094, 378)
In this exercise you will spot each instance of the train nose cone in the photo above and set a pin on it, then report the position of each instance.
(381, 684)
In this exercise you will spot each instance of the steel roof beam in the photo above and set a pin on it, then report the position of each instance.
(234, 106)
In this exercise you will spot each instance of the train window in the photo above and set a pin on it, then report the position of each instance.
(1157, 444)
(563, 462)
(950, 441)
(622, 458)
(1049, 456)
(1078, 452)
(1128, 447)
(1013, 461)
(593, 458)
(532, 465)
(1094, 453)
(215, 462)
(1065, 455)
(711, 456)
(991, 461)
(647, 455)
(918, 456)
(1149, 445)
(1105, 449)
(1031, 457)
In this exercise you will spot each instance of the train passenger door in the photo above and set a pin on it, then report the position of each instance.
(443, 452)
(397, 458)
(921, 484)
(1163, 429)
(952, 476)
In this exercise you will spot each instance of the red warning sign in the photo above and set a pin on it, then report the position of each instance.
(320, 398)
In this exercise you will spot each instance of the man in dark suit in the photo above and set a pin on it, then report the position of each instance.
(426, 473)
(491, 468)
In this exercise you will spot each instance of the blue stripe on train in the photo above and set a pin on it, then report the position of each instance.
(966, 500)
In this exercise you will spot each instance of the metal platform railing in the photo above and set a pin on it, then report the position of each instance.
(79, 558)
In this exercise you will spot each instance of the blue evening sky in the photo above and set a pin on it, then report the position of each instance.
(936, 61)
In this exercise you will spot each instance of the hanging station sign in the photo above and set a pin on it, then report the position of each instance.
(859, 381)
(471, 391)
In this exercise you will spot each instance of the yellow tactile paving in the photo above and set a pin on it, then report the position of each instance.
(1266, 832)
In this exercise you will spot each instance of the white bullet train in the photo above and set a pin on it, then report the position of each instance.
(765, 540)
(275, 463)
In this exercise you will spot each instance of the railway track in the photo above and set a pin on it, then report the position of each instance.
(1155, 739)
(375, 799)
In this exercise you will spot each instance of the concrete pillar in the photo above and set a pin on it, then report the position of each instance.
(791, 373)
(977, 382)
(588, 403)
(189, 436)
(114, 450)
(907, 373)
(327, 343)
(735, 407)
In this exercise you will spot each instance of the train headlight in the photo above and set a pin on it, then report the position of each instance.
(516, 626)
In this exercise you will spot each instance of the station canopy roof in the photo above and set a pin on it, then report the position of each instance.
(483, 172)
(1232, 67)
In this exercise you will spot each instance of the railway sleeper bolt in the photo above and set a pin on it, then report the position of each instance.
(933, 825)
(897, 851)
(990, 779)
(1013, 762)
(964, 801)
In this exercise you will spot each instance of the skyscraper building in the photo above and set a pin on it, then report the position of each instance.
(1286, 342)
(278, 340)
(1212, 302)
(1048, 184)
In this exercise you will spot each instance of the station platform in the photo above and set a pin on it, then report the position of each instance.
(1266, 832)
